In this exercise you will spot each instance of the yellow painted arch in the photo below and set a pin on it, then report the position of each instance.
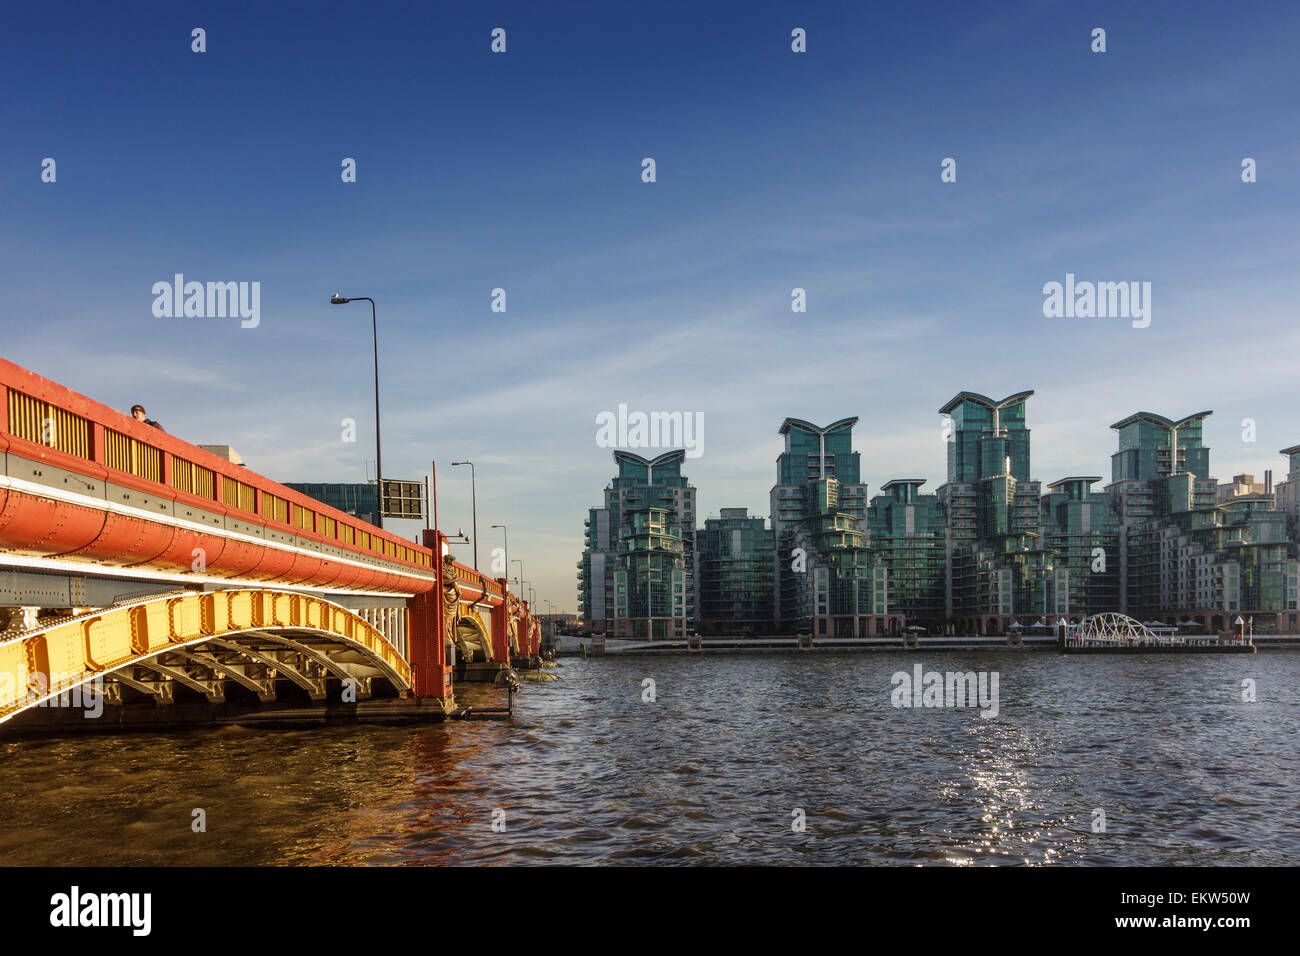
(472, 633)
(73, 651)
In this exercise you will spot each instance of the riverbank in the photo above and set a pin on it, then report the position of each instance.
(807, 644)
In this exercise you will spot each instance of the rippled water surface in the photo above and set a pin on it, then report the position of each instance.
(712, 771)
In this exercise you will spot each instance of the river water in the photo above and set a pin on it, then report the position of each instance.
(769, 759)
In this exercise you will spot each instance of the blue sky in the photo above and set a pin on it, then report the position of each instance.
(775, 170)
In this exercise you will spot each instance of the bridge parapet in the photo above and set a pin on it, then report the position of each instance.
(84, 482)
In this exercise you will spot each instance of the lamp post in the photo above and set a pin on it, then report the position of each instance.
(473, 491)
(433, 502)
(506, 537)
(521, 570)
(337, 299)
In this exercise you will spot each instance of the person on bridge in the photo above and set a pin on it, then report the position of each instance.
(139, 414)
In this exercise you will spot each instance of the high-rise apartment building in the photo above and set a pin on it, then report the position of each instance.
(736, 554)
(907, 536)
(1152, 446)
(1188, 557)
(828, 583)
(637, 573)
(987, 553)
(1080, 526)
(1287, 493)
(996, 568)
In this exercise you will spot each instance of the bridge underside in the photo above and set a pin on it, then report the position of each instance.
(227, 656)
(96, 650)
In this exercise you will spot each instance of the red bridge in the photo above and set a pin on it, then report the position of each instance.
(174, 585)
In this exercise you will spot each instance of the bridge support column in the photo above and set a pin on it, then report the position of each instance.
(430, 675)
(500, 616)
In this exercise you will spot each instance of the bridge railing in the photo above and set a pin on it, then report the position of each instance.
(44, 421)
(478, 581)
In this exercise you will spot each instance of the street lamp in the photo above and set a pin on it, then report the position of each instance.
(337, 299)
(506, 536)
(521, 569)
(473, 490)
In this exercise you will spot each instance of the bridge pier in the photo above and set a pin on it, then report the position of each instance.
(431, 630)
(482, 672)
(501, 618)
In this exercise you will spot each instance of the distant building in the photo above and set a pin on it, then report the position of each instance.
(1246, 485)
(1161, 469)
(1152, 446)
(908, 538)
(224, 452)
(1188, 554)
(557, 625)
(636, 579)
(1079, 525)
(1286, 498)
(1287, 494)
(736, 555)
(987, 553)
(360, 499)
(998, 573)
(828, 583)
